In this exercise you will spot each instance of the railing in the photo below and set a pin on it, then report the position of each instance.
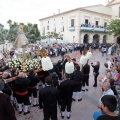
(86, 27)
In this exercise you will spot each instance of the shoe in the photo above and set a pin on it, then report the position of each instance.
(83, 90)
(25, 113)
(73, 99)
(86, 89)
(94, 85)
(35, 105)
(68, 117)
(79, 100)
(62, 117)
(20, 112)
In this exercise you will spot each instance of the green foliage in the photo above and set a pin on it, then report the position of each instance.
(30, 30)
(53, 35)
(114, 27)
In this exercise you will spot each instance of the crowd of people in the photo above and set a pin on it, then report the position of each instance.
(59, 86)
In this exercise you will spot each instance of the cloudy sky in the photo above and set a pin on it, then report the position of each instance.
(32, 10)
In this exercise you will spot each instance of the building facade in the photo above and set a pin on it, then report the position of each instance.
(83, 25)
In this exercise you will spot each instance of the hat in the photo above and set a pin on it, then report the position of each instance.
(1, 85)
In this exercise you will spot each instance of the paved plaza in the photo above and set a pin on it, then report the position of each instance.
(80, 110)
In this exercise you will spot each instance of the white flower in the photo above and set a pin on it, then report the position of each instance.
(69, 67)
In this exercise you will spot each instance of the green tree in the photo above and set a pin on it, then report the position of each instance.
(114, 27)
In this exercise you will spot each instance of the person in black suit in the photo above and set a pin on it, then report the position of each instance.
(95, 72)
(86, 71)
(77, 77)
(21, 92)
(48, 98)
(64, 60)
(32, 87)
(66, 91)
(6, 109)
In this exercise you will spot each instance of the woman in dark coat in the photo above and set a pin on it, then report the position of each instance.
(95, 72)
(6, 110)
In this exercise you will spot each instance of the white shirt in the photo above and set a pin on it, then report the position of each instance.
(69, 67)
(108, 92)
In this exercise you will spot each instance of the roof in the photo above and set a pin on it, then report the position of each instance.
(77, 9)
(113, 2)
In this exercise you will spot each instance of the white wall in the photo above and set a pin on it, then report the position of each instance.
(79, 17)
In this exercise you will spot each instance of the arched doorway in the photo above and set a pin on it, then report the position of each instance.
(96, 38)
(86, 38)
(118, 40)
(104, 39)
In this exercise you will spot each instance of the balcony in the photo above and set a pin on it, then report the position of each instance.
(71, 28)
(86, 27)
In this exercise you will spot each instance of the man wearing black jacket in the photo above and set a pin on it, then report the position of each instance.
(77, 78)
(86, 71)
(48, 98)
(32, 87)
(66, 91)
(64, 60)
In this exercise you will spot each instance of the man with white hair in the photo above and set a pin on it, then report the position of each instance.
(107, 91)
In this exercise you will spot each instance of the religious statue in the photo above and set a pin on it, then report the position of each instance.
(21, 40)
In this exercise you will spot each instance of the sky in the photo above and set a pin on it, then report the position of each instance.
(30, 11)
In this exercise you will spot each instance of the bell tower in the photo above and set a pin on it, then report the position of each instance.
(115, 6)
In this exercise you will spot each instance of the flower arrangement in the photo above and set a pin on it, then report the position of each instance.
(23, 65)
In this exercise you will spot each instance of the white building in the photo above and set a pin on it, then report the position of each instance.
(83, 25)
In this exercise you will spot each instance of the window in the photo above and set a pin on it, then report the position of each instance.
(86, 21)
(105, 24)
(96, 23)
(43, 31)
(63, 28)
(55, 30)
(72, 22)
(47, 27)
(48, 22)
(62, 17)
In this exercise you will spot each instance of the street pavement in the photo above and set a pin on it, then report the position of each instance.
(84, 109)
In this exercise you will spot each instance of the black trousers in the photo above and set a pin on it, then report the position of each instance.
(32, 91)
(50, 113)
(23, 99)
(86, 81)
(77, 87)
(95, 79)
(66, 104)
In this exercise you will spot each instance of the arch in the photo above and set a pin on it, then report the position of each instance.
(118, 40)
(96, 38)
(104, 39)
(86, 38)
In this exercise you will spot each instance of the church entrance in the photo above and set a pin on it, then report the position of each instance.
(104, 39)
(96, 38)
(86, 37)
(118, 40)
